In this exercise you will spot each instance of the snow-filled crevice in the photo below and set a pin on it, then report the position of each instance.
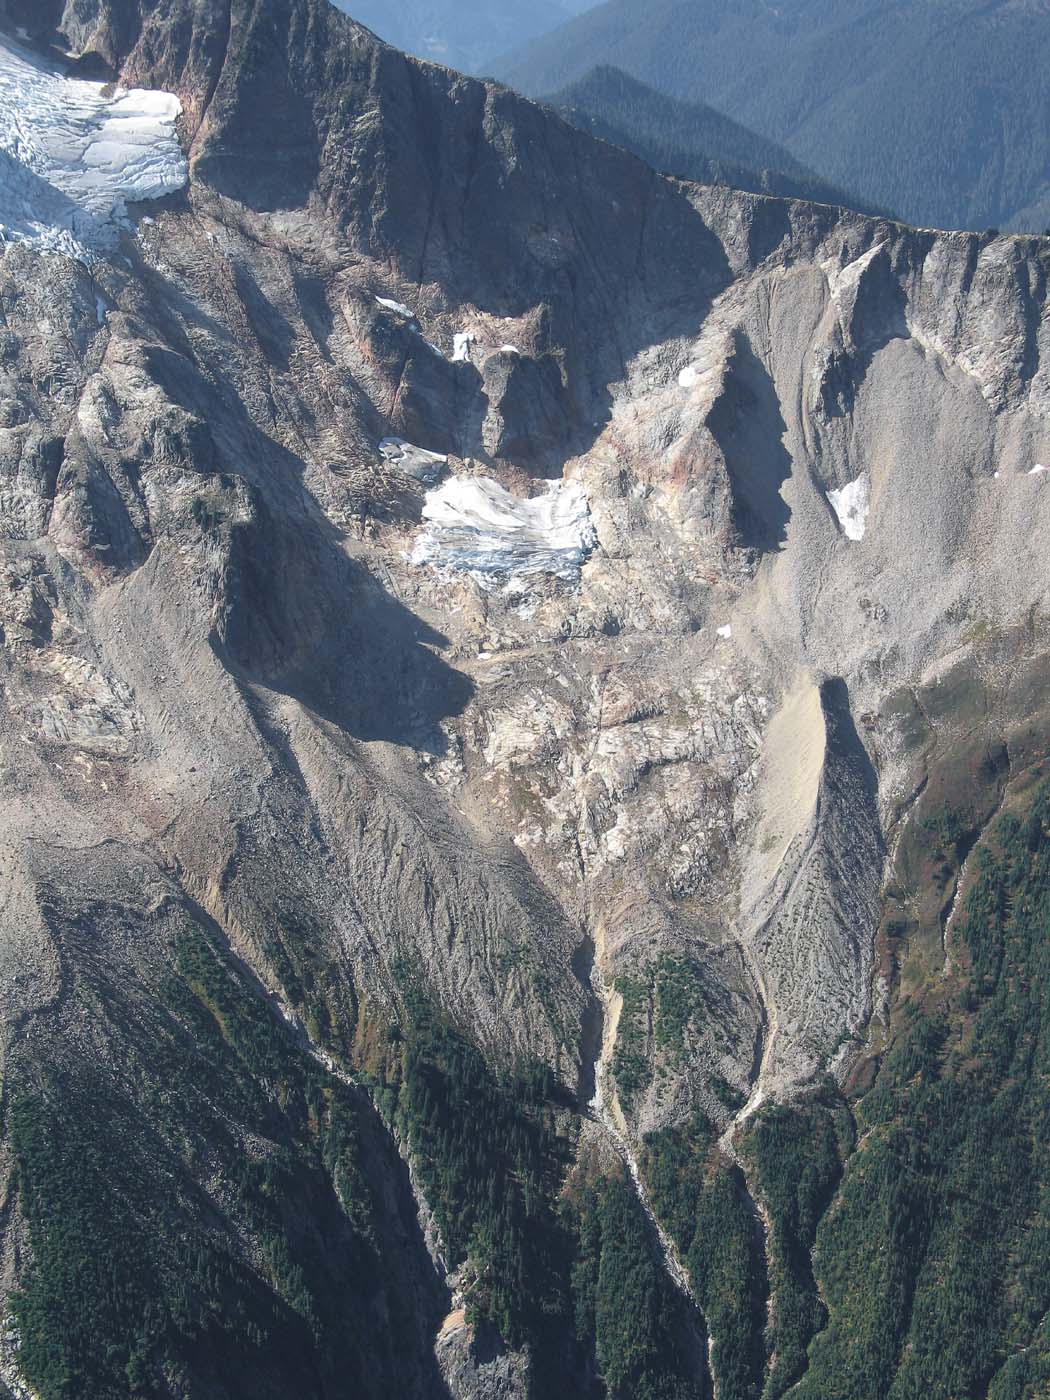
(473, 525)
(850, 504)
(74, 154)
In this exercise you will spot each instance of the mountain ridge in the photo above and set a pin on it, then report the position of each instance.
(461, 36)
(928, 110)
(692, 142)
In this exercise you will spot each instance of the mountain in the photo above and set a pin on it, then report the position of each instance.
(934, 108)
(462, 34)
(524, 804)
(689, 140)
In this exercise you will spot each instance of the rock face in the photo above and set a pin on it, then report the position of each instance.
(238, 694)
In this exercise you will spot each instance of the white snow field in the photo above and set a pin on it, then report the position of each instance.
(74, 154)
(850, 504)
(475, 526)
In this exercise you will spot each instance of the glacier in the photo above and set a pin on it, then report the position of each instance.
(74, 154)
(473, 525)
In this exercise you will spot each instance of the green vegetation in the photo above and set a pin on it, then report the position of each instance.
(319, 990)
(625, 1310)
(702, 1203)
(930, 1237)
(796, 1157)
(688, 139)
(206, 517)
(490, 1160)
(139, 1281)
(677, 1002)
(568, 1270)
(666, 1008)
(934, 108)
(935, 1258)
(630, 1061)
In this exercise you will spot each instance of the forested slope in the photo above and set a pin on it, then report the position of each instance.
(690, 140)
(933, 108)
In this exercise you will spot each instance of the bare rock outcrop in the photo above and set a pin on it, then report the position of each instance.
(228, 687)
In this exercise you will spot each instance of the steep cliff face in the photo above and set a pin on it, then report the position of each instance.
(611, 775)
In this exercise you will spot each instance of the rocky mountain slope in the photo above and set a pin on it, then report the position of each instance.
(511, 667)
(933, 108)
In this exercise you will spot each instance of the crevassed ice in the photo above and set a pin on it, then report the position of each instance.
(475, 526)
(72, 158)
(850, 504)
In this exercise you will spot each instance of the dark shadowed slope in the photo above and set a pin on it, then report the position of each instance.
(690, 140)
(935, 108)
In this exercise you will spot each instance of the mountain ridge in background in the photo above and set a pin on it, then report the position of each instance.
(689, 140)
(462, 34)
(934, 108)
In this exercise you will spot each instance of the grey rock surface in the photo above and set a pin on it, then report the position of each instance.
(227, 687)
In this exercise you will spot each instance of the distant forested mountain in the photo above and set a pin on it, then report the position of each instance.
(938, 109)
(690, 139)
(463, 34)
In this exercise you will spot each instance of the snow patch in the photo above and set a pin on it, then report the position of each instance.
(725, 632)
(509, 350)
(851, 504)
(74, 154)
(688, 377)
(415, 462)
(1038, 469)
(397, 307)
(475, 526)
(461, 343)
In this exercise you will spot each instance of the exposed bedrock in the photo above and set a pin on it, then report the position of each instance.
(686, 742)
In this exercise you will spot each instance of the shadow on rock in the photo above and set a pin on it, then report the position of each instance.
(306, 620)
(749, 428)
(298, 614)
